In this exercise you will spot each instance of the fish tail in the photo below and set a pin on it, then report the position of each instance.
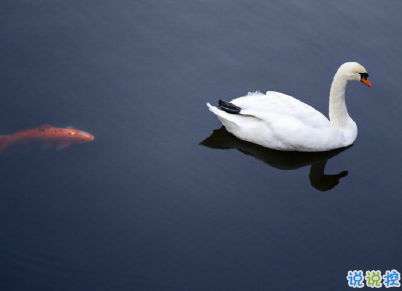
(5, 141)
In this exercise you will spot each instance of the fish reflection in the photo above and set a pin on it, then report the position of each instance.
(222, 139)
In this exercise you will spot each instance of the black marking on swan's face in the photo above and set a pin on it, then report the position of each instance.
(364, 80)
(364, 76)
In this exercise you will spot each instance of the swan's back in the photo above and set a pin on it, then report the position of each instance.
(264, 106)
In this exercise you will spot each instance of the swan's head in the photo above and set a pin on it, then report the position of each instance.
(353, 71)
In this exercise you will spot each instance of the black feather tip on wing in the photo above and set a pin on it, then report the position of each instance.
(229, 107)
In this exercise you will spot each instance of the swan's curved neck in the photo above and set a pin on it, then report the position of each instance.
(338, 113)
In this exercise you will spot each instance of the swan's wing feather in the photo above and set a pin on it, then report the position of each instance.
(277, 107)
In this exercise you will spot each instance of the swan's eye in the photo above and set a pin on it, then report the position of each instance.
(364, 76)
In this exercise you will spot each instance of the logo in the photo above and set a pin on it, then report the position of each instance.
(374, 279)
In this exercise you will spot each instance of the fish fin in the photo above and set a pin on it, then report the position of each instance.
(46, 145)
(62, 145)
(45, 126)
(5, 141)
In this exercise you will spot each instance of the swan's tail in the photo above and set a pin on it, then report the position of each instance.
(229, 120)
(5, 141)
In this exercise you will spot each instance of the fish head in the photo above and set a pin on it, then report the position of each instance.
(79, 136)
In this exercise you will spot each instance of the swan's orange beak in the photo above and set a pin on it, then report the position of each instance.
(365, 81)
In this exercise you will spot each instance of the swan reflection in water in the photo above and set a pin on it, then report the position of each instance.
(222, 139)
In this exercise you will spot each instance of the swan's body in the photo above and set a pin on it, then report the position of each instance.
(281, 122)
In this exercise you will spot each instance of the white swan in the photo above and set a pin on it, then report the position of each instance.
(281, 122)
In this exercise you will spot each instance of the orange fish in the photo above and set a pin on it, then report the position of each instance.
(48, 135)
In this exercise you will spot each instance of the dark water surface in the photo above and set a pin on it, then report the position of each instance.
(145, 206)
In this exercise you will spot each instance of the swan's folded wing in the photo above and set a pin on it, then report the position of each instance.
(277, 107)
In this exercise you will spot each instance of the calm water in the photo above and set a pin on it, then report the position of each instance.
(146, 206)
